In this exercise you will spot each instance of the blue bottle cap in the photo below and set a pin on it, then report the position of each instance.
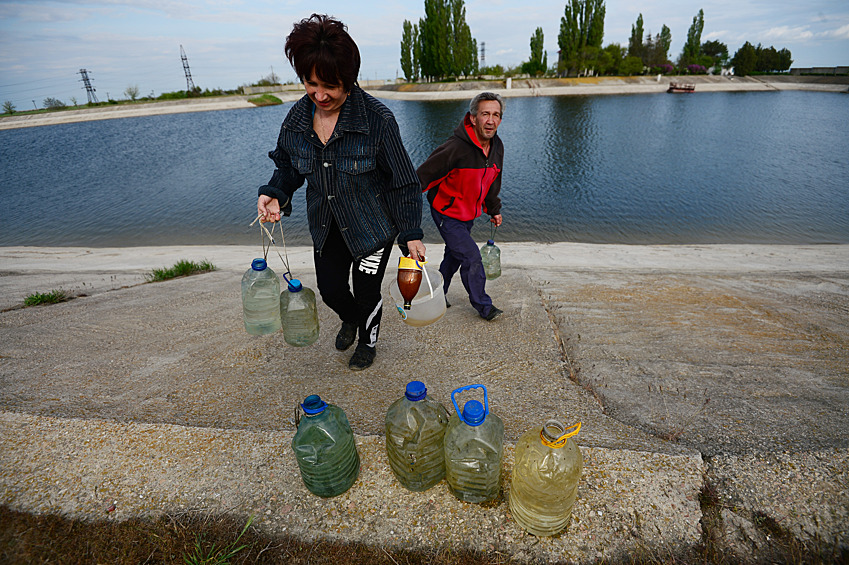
(313, 404)
(259, 264)
(490, 242)
(415, 391)
(295, 285)
(473, 413)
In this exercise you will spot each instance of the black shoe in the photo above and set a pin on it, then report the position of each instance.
(493, 314)
(447, 304)
(362, 359)
(346, 336)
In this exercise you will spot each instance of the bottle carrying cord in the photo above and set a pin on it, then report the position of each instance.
(263, 232)
(557, 442)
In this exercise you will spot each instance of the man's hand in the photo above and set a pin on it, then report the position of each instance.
(268, 208)
(496, 219)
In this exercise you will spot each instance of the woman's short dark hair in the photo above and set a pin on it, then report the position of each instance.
(322, 43)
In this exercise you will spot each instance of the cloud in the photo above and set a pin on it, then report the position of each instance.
(788, 34)
(839, 33)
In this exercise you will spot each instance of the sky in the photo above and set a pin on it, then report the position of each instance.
(229, 43)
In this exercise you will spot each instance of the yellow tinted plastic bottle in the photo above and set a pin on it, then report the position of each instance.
(544, 483)
(415, 429)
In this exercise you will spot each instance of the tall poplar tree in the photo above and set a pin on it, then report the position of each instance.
(464, 49)
(538, 63)
(692, 48)
(445, 46)
(635, 43)
(581, 26)
(407, 52)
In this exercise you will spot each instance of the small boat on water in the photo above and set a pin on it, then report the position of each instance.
(681, 87)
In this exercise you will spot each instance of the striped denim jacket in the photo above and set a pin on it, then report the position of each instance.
(362, 178)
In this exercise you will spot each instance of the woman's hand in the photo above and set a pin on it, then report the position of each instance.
(268, 208)
(416, 249)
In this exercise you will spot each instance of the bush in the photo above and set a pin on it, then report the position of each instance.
(265, 100)
(631, 66)
(52, 297)
(696, 70)
(53, 103)
(180, 269)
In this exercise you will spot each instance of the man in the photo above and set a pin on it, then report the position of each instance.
(461, 178)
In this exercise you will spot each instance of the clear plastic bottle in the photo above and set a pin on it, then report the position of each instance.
(325, 449)
(415, 429)
(261, 299)
(474, 444)
(544, 483)
(299, 315)
(491, 258)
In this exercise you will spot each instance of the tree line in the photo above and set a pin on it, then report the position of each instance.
(428, 52)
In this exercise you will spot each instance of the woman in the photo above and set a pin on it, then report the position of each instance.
(362, 189)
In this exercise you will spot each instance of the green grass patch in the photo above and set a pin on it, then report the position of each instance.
(182, 268)
(265, 100)
(52, 297)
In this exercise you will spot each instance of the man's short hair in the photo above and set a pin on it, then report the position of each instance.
(473, 106)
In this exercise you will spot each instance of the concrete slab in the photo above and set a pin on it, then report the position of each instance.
(682, 362)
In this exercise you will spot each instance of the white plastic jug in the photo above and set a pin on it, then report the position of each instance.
(427, 306)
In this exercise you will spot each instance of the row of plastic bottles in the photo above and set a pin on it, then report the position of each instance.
(267, 310)
(425, 445)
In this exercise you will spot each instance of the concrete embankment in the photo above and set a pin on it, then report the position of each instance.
(696, 370)
(587, 86)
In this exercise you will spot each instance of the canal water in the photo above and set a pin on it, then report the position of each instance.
(637, 169)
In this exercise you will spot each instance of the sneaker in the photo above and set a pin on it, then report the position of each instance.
(493, 314)
(362, 359)
(346, 336)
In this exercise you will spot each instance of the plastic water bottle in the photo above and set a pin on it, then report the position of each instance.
(415, 429)
(325, 449)
(261, 299)
(545, 477)
(298, 314)
(491, 258)
(474, 443)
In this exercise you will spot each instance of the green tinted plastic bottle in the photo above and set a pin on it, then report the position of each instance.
(415, 429)
(325, 449)
(474, 443)
(544, 483)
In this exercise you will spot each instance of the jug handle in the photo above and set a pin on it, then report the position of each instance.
(469, 387)
(427, 278)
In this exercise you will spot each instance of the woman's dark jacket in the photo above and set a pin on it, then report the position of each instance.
(362, 178)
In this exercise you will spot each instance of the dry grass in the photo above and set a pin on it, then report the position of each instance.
(26, 538)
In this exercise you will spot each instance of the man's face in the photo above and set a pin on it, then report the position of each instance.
(488, 119)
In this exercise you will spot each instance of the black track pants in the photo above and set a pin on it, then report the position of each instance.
(334, 266)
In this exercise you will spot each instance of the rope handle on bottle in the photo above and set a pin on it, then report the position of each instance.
(492, 229)
(263, 232)
(560, 441)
